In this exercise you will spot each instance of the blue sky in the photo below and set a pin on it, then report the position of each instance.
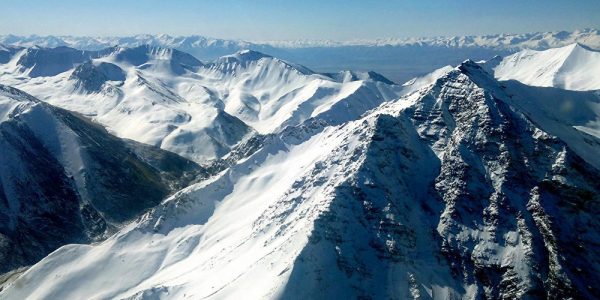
(300, 19)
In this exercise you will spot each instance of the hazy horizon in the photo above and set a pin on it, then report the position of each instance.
(269, 20)
(287, 40)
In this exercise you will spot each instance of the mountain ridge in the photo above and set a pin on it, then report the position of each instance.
(398, 59)
(535, 40)
(66, 180)
(197, 109)
(449, 191)
(570, 67)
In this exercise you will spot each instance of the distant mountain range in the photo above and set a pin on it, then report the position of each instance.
(536, 40)
(397, 59)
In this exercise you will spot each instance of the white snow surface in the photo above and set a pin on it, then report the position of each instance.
(220, 240)
(238, 234)
(200, 110)
(572, 67)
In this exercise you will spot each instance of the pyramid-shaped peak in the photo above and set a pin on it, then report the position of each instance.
(572, 67)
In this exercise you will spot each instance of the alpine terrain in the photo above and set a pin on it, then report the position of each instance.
(141, 172)
(399, 59)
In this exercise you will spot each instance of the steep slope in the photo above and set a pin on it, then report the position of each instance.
(167, 98)
(269, 94)
(65, 180)
(7, 52)
(452, 191)
(572, 67)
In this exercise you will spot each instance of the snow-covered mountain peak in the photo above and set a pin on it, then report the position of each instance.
(91, 76)
(249, 59)
(348, 75)
(41, 62)
(475, 71)
(242, 57)
(247, 55)
(139, 55)
(13, 101)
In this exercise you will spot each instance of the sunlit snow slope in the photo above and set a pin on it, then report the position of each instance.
(167, 98)
(572, 67)
(64, 179)
(461, 188)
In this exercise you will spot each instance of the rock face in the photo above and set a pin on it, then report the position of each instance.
(502, 210)
(518, 203)
(66, 180)
(464, 188)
